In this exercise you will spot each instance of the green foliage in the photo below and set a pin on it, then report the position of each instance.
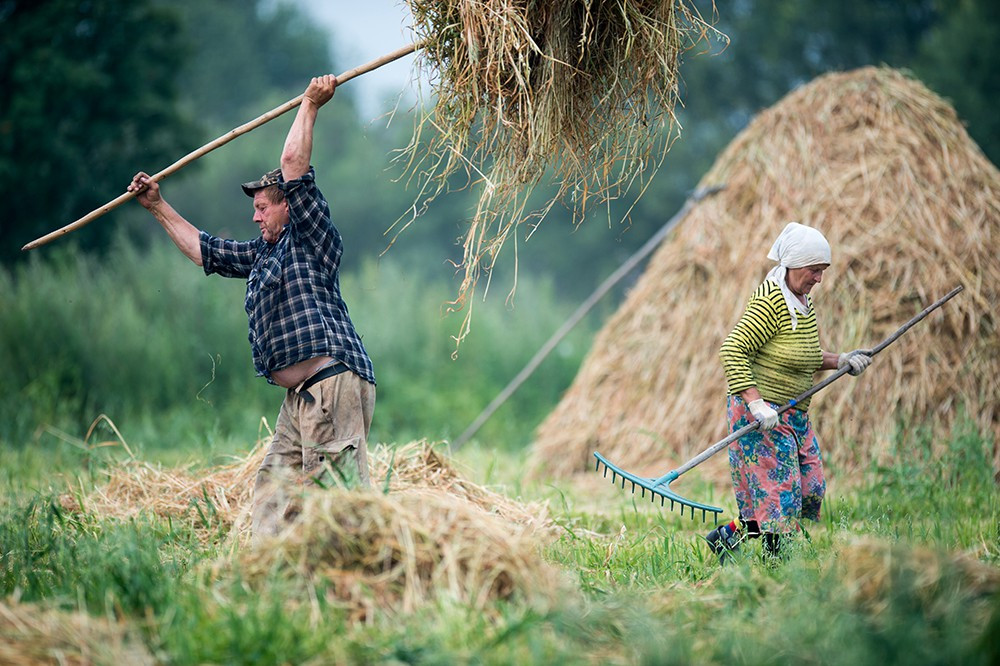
(777, 46)
(958, 59)
(234, 624)
(243, 51)
(130, 335)
(145, 338)
(87, 90)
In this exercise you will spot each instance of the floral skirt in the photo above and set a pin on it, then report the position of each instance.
(777, 474)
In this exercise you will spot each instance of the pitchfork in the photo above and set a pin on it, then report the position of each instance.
(660, 486)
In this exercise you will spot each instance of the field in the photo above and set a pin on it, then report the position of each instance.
(904, 568)
(127, 544)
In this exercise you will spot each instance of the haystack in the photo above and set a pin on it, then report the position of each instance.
(911, 207)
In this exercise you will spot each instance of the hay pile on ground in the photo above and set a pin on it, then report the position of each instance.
(876, 572)
(394, 553)
(433, 535)
(574, 90)
(217, 500)
(911, 208)
(31, 635)
(210, 501)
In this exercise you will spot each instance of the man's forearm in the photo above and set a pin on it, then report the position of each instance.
(184, 235)
(298, 144)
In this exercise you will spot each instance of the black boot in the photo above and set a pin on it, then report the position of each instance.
(772, 546)
(724, 540)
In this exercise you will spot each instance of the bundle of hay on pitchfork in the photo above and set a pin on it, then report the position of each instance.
(579, 92)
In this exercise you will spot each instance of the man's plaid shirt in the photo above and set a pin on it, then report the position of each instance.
(293, 287)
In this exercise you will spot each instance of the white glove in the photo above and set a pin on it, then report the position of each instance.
(764, 413)
(858, 360)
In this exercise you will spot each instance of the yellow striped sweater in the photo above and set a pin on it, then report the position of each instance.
(762, 350)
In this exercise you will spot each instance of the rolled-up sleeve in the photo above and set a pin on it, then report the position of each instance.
(228, 258)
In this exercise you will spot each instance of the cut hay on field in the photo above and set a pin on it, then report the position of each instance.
(875, 572)
(580, 91)
(397, 552)
(34, 636)
(911, 208)
(216, 501)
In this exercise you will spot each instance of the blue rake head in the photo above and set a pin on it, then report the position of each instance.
(657, 487)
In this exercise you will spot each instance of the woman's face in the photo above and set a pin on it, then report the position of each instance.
(802, 280)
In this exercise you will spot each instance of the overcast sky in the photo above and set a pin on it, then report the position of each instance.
(362, 30)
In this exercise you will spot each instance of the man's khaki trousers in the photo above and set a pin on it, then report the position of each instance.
(321, 438)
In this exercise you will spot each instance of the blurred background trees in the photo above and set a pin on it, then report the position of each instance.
(93, 90)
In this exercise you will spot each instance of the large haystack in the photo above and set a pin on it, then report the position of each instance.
(911, 207)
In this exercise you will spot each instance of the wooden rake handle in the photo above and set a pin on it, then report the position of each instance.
(221, 141)
(721, 444)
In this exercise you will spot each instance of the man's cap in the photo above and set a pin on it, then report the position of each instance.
(268, 179)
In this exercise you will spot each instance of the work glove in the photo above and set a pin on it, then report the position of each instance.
(764, 413)
(858, 360)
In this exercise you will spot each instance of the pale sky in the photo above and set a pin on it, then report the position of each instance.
(362, 30)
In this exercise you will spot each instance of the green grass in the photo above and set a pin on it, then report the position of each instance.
(641, 586)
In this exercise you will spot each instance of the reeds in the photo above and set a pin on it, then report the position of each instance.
(911, 208)
(578, 94)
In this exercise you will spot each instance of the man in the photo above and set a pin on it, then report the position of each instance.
(301, 335)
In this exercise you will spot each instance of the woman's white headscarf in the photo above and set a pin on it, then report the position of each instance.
(797, 246)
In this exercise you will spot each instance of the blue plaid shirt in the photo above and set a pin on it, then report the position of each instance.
(293, 286)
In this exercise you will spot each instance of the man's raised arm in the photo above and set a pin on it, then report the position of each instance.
(298, 144)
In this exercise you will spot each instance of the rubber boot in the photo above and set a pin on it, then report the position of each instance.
(724, 540)
(772, 547)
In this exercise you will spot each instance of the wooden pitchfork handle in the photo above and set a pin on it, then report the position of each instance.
(221, 141)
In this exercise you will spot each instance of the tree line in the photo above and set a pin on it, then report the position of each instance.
(91, 92)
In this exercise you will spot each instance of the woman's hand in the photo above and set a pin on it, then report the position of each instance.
(857, 360)
(766, 416)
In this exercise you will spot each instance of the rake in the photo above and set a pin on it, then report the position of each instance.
(660, 486)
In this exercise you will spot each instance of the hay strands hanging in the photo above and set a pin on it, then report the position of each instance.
(660, 486)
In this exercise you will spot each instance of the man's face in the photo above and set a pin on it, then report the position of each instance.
(269, 216)
(802, 280)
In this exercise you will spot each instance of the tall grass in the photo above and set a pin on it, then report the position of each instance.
(144, 338)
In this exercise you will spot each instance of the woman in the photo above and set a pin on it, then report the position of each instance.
(769, 358)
